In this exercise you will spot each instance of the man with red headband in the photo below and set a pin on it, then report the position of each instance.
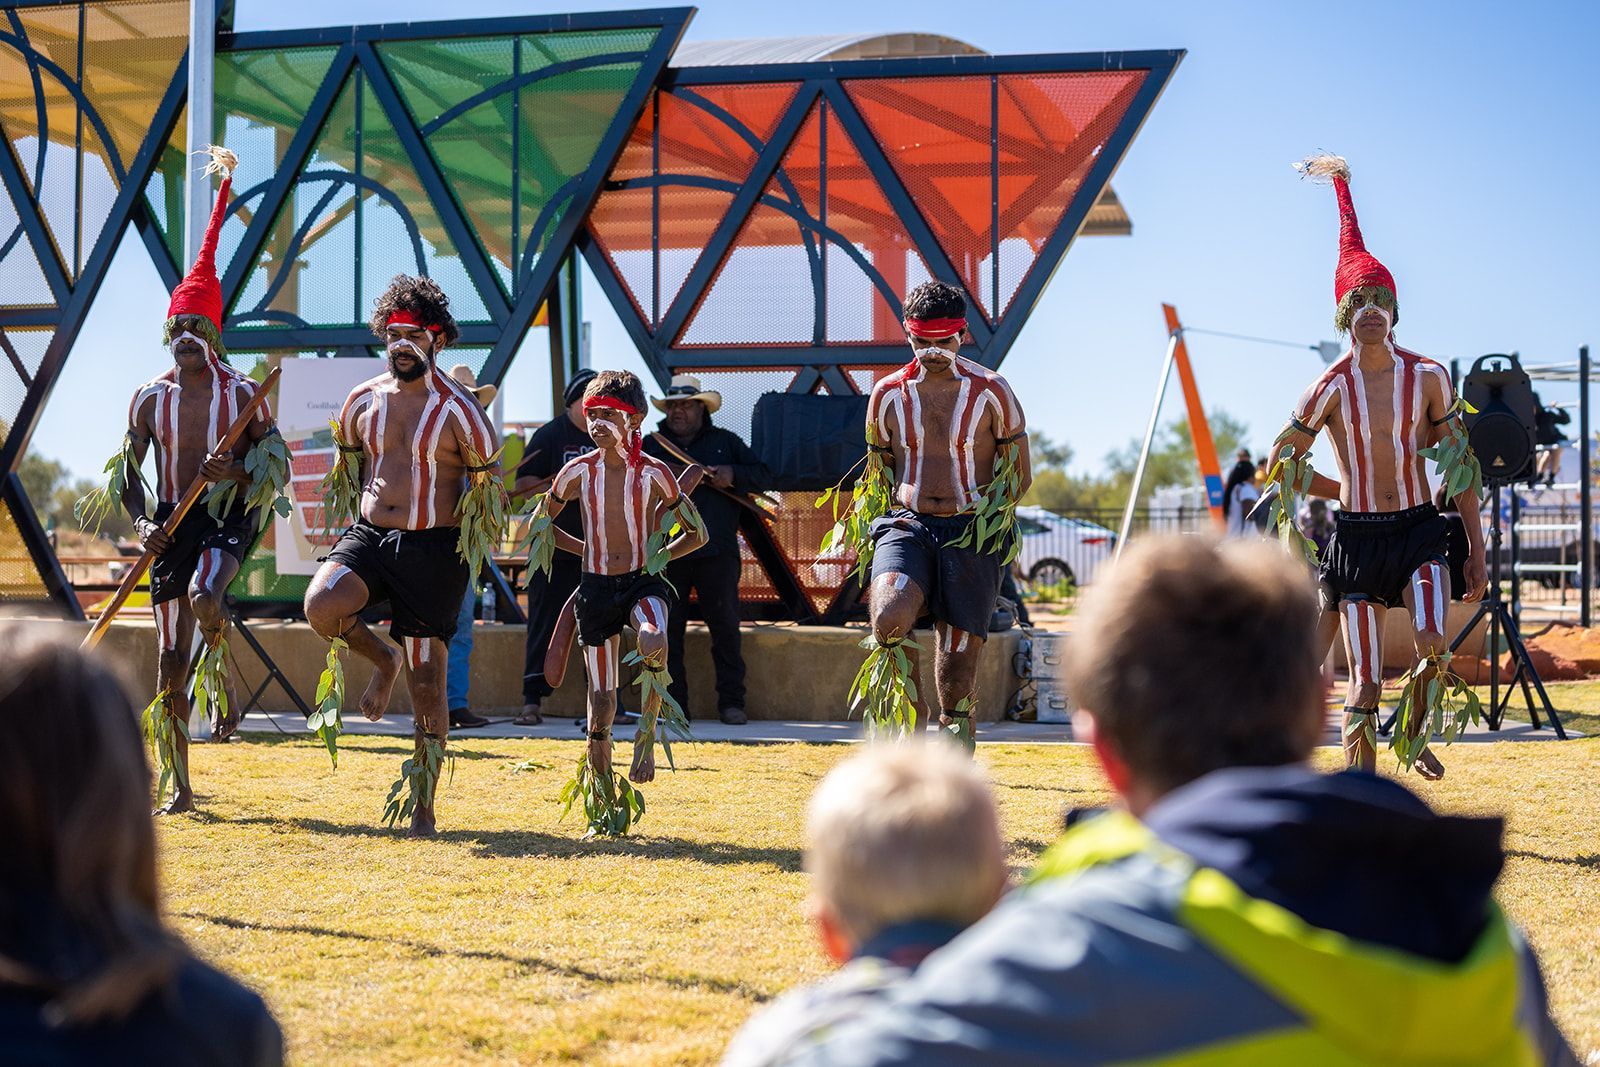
(943, 424)
(636, 518)
(184, 413)
(418, 434)
(1385, 409)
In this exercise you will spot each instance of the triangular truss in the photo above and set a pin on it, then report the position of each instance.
(727, 242)
(397, 161)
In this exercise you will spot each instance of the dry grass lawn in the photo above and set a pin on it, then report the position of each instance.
(509, 940)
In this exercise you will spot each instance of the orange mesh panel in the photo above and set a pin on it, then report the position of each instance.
(697, 145)
(938, 135)
(823, 225)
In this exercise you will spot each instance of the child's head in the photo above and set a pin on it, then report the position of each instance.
(901, 833)
(611, 426)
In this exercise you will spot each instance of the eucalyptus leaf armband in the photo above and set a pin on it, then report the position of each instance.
(93, 507)
(1293, 478)
(1457, 465)
(482, 513)
(539, 541)
(871, 499)
(341, 486)
(995, 511)
(677, 517)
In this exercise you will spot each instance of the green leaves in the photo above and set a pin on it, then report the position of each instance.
(539, 542)
(1446, 708)
(418, 781)
(1456, 464)
(681, 517)
(161, 728)
(884, 690)
(341, 486)
(960, 729)
(1293, 477)
(209, 688)
(267, 463)
(327, 722)
(611, 804)
(995, 511)
(483, 512)
(871, 499)
(656, 706)
(92, 508)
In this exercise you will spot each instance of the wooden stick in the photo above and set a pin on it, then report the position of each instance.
(753, 501)
(170, 527)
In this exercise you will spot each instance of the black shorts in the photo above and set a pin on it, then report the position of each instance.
(419, 572)
(606, 600)
(959, 585)
(197, 534)
(1373, 554)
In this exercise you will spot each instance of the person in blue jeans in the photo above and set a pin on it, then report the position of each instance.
(458, 670)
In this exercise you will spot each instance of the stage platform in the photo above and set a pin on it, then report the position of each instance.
(796, 673)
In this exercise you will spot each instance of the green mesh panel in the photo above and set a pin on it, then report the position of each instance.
(552, 125)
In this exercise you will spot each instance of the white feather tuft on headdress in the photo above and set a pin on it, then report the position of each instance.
(222, 160)
(1323, 168)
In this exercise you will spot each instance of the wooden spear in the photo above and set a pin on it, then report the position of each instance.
(170, 527)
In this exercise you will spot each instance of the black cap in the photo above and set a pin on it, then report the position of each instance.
(576, 386)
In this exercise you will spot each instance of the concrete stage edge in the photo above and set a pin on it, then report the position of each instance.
(795, 673)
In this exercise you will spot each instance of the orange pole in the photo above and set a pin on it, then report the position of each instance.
(1205, 449)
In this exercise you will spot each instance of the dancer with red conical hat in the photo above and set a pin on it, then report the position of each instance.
(1386, 410)
(185, 412)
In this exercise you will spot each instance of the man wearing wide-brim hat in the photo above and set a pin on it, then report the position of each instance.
(711, 573)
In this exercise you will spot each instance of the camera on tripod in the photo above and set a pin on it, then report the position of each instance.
(1501, 430)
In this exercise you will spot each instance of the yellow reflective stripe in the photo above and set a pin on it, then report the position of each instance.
(1379, 1002)
(1105, 838)
(1300, 1047)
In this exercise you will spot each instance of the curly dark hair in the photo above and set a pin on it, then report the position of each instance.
(624, 385)
(423, 298)
(935, 300)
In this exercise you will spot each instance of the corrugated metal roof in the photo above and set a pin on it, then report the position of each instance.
(1107, 218)
(818, 48)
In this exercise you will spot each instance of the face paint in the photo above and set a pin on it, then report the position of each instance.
(189, 335)
(402, 346)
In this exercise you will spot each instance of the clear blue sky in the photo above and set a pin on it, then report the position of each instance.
(1470, 129)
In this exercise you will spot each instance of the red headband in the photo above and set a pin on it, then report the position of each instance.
(406, 318)
(611, 402)
(932, 329)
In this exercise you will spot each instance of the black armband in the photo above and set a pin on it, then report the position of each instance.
(1456, 408)
(350, 448)
(481, 468)
(1019, 435)
(1294, 422)
(881, 449)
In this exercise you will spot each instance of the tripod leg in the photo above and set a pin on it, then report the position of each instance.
(1525, 663)
(273, 671)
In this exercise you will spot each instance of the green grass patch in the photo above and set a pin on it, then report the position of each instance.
(508, 939)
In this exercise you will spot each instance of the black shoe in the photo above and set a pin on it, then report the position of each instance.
(462, 719)
(733, 716)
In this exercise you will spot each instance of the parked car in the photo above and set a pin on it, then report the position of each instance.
(1056, 549)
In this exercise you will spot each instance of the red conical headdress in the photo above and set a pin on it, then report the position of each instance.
(200, 293)
(1357, 266)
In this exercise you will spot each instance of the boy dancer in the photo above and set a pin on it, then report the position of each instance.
(635, 519)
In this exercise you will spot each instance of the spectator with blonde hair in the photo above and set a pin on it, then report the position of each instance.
(1237, 907)
(904, 852)
(88, 972)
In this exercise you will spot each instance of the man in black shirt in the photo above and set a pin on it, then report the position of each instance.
(712, 572)
(548, 450)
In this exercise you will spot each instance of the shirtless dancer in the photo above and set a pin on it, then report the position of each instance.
(412, 425)
(623, 494)
(185, 413)
(941, 422)
(1381, 405)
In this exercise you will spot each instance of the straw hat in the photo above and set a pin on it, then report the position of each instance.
(687, 387)
(485, 393)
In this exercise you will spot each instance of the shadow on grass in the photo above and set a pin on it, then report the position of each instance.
(513, 844)
(530, 963)
(1590, 861)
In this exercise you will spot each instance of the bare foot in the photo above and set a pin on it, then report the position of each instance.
(182, 801)
(375, 701)
(1428, 766)
(422, 823)
(644, 763)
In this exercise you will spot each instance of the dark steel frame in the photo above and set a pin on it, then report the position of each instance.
(820, 362)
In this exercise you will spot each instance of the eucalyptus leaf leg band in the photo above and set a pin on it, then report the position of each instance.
(327, 721)
(161, 728)
(418, 783)
(957, 724)
(1362, 722)
(884, 690)
(611, 805)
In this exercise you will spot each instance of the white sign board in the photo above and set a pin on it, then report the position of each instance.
(310, 393)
